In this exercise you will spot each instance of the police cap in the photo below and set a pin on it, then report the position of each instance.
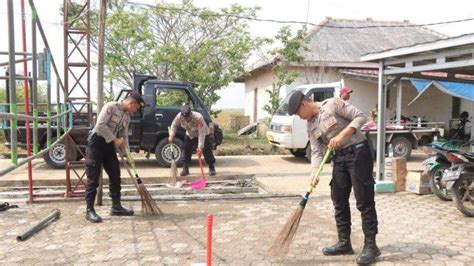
(135, 95)
(294, 102)
(185, 110)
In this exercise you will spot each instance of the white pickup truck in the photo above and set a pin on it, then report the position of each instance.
(289, 132)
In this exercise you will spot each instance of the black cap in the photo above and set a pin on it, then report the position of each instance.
(185, 110)
(137, 97)
(294, 102)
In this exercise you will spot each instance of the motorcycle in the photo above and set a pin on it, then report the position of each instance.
(434, 168)
(460, 179)
(459, 131)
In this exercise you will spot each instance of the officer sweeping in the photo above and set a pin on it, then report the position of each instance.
(109, 133)
(336, 124)
(197, 136)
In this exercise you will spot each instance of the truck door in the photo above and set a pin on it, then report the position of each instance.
(167, 104)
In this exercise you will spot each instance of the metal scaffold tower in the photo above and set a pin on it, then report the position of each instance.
(77, 89)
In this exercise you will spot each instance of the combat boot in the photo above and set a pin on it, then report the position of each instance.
(369, 252)
(212, 170)
(185, 170)
(91, 215)
(342, 247)
(118, 210)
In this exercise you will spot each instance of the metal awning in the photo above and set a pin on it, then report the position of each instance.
(450, 59)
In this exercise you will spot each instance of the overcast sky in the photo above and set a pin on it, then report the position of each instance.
(313, 11)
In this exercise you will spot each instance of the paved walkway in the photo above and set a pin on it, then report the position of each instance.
(414, 230)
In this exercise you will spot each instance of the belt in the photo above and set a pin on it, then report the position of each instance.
(350, 149)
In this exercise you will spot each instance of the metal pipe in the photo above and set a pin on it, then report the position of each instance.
(16, 77)
(10, 168)
(16, 53)
(23, 117)
(48, 98)
(12, 85)
(34, 82)
(27, 101)
(55, 214)
(399, 102)
(382, 101)
(34, 14)
(16, 61)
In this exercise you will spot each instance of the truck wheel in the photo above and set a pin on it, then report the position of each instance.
(401, 147)
(298, 152)
(308, 152)
(164, 155)
(56, 156)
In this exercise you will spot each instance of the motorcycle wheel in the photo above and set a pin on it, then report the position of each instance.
(435, 183)
(463, 195)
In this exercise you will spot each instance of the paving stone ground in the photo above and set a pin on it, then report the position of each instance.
(414, 230)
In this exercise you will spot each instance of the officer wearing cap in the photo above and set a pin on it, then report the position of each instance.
(336, 124)
(109, 133)
(345, 93)
(197, 136)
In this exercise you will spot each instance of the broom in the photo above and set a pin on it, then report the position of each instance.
(281, 245)
(149, 206)
(174, 168)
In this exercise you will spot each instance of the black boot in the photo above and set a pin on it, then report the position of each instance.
(369, 252)
(118, 210)
(212, 170)
(185, 170)
(91, 215)
(342, 247)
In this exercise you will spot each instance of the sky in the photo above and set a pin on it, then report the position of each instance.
(313, 11)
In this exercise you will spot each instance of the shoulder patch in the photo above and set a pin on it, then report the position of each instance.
(110, 109)
(339, 103)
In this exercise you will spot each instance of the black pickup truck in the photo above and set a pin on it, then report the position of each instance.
(148, 129)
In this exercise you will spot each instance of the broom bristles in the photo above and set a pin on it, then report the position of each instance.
(149, 206)
(281, 245)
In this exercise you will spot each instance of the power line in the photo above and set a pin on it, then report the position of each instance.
(192, 12)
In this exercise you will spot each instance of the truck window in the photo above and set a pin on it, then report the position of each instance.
(172, 98)
(319, 96)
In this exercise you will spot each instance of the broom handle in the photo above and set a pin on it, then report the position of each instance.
(320, 169)
(203, 176)
(128, 168)
(131, 162)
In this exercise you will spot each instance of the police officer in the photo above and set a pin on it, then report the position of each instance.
(109, 133)
(197, 135)
(336, 124)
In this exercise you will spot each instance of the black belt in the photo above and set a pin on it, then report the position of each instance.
(350, 149)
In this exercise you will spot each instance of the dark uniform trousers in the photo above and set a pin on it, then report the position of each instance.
(191, 144)
(352, 167)
(99, 153)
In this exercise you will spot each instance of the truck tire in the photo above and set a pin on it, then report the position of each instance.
(298, 152)
(56, 156)
(308, 152)
(401, 147)
(163, 153)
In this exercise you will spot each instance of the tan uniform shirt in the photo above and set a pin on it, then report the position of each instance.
(196, 127)
(112, 122)
(334, 115)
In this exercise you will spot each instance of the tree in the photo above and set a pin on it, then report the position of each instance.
(288, 54)
(177, 42)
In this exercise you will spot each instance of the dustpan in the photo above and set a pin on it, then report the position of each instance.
(200, 184)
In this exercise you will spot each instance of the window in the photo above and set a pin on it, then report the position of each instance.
(319, 96)
(172, 98)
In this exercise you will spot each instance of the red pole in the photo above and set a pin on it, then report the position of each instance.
(27, 101)
(210, 219)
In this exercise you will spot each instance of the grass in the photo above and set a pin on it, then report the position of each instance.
(246, 145)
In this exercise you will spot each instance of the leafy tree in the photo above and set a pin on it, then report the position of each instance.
(288, 54)
(177, 42)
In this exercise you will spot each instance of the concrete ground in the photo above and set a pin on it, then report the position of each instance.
(413, 230)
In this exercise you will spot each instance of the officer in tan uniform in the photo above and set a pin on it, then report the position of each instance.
(109, 133)
(336, 124)
(197, 136)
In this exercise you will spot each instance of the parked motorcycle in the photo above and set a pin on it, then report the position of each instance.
(460, 179)
(437, 163)
(459, 131)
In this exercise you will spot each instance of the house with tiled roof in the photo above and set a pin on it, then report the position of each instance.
(335, 47)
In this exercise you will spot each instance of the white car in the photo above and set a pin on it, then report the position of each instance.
(289, 131)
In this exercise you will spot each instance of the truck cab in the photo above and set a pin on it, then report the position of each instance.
(289, 131)
(148, 129)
